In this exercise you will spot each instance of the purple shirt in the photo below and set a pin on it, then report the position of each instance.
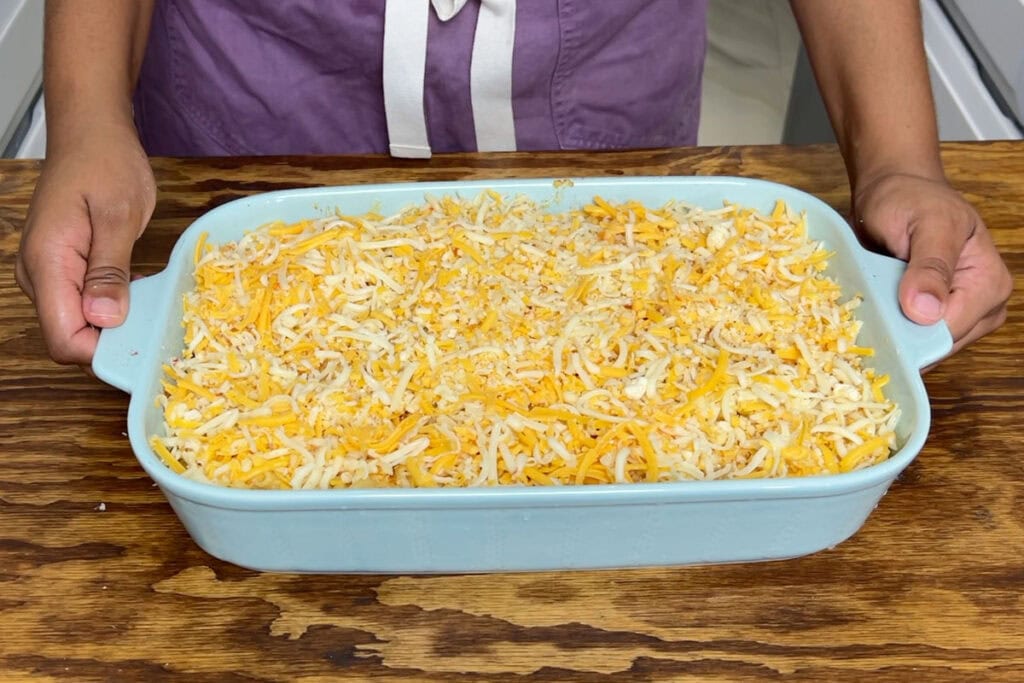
(252, 77)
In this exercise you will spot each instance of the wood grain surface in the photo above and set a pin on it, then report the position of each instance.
(98, 580)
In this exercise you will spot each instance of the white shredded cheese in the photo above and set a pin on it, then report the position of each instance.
(487, 341)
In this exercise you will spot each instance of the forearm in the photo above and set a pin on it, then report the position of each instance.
(93, 53)
(869, 61)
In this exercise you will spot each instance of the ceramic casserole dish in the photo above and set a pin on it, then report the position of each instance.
(517, 528)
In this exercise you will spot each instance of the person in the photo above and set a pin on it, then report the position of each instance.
(124, 78)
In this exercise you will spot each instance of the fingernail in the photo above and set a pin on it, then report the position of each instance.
(105, 309)
(928, 306)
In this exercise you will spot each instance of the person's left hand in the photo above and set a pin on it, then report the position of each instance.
(954, 271)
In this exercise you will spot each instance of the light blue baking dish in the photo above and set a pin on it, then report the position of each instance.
(520, 528)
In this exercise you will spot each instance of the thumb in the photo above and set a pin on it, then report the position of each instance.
(934, 252)
(105, 286)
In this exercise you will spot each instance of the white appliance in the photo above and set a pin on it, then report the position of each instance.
(975, 52)
(22, 117)
(976, 58)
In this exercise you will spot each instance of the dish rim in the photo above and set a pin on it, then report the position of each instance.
(505, 495)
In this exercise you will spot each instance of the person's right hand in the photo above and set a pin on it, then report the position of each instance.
(94, 197)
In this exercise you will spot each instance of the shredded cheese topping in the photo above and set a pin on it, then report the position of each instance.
(486, 341)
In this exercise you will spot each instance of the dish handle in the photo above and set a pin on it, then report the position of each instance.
(120, 350)
(921, 345)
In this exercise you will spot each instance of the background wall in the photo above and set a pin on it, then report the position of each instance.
(752, 49)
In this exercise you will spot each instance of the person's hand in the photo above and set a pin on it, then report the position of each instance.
(954, 271)
(93, 199)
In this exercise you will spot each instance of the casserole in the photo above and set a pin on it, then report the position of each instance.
(524, 528)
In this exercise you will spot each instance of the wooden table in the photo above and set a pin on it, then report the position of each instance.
(98, 581)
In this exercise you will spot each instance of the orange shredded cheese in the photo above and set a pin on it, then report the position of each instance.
(488, 341)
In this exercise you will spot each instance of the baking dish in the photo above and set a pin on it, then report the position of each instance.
(524, 528)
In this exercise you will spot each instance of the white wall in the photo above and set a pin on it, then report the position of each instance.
(752, 48)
